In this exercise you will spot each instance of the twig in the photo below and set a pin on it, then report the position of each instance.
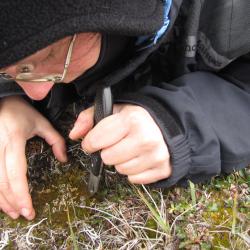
(30, 231)
(4, 239)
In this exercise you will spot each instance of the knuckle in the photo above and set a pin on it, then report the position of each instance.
(134, 118)
(161, 158)
(60, 139)
(166, 172)
(137, 115)
(148, 143)
(4, 186)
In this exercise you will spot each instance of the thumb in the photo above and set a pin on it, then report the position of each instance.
(54, 139)
(84, 122)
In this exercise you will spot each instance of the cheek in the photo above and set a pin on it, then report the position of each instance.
(79, 66)
(50, 67)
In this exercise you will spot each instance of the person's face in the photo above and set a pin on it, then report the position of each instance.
(51, 59)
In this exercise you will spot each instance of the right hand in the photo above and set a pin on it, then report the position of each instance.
(19, 121)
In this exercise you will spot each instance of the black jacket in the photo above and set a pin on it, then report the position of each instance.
(194, 82)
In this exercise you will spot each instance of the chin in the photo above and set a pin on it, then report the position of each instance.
(36, 96)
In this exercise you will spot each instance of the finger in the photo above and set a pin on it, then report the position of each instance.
(16, 168)
(54, 139)
(133, 167)
(107, 132)
(8, 202)
(157, 159)
(150, 175)
(84, 122)
(5, 206)
(121, 152)
(149, 160)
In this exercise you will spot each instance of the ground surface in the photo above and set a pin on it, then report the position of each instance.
(122, 216)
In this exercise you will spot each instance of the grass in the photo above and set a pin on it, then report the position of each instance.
(122, 216)
(158, 216)
(192, 192)
(72, 234)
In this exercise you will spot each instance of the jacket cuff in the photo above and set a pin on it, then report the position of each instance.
(178, 146)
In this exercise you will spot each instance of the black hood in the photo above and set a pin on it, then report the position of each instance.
(27, 26)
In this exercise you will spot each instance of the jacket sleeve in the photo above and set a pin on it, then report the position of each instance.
(205, 121)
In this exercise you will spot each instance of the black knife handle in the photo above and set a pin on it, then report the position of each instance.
(103, 107)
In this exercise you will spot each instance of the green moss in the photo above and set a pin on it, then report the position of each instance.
(64, 190)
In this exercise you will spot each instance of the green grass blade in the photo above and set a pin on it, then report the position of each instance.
(157, 217)
(235, 202)
(72, 232)
(192, 191)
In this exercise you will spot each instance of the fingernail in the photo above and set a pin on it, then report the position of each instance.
(25, 212)
(13, 215)
(72, 131)
(65, 158)
(78, 125)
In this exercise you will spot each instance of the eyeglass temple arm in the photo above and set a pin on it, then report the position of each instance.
(68, 57)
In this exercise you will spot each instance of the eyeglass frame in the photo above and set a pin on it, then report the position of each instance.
(55, 78)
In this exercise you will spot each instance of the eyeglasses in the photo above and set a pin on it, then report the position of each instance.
(26, 76)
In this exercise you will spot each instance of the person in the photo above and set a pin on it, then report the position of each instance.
(179, 77)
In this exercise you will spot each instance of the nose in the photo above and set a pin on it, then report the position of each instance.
(36, 91)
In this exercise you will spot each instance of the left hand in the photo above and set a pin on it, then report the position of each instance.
(129, 139)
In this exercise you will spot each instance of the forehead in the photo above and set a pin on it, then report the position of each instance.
(59, 48)
(40, 54)
(56, 47)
